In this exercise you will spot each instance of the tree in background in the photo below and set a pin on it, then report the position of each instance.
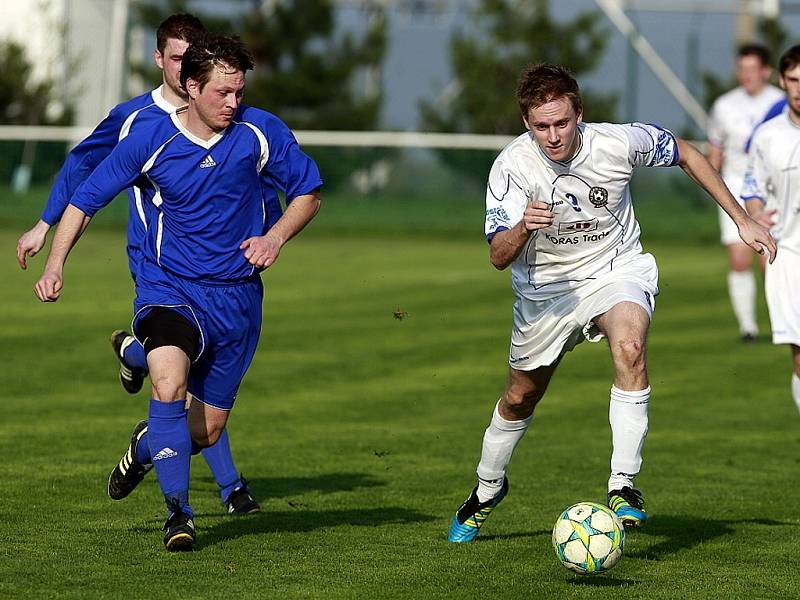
(486, 62)
(308, 72)
(26, 101)
(507, 35)
(773, 35)
(23, 100)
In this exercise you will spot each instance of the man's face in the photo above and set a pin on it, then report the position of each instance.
(216, 104)
(751, 74)
(170, 64)
(790, 81)
(555, 127)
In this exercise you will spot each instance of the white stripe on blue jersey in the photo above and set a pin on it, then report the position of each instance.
(206, 208)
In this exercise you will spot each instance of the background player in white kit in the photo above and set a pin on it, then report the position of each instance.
(733, 117)
(771, 193)
(559, 211)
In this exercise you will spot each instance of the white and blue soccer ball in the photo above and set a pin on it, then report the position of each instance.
(588, 538)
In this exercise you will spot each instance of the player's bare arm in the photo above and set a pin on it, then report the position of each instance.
(703, 173)
(31, 242)
(262, 251)
(73, 222)
(506, 245)
(716, 156)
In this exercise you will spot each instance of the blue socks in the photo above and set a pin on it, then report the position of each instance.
(171, 451)
(134, 355)
(220, 461)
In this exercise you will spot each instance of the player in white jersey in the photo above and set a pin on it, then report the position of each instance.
(733, 117)
(771, 193)
(559, 212)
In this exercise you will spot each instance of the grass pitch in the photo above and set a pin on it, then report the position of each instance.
(360, 432)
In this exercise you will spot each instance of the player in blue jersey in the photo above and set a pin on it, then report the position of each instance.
(172, 38)
(198, 288)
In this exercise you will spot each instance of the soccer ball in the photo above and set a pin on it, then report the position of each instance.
(588, 538)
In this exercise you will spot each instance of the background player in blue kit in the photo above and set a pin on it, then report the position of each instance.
(198, 291)
(172, 38)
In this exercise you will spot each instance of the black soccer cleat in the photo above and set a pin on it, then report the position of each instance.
(180, 533)
(748, 337)
(240, 502)
(131, 378)
(129, 472)
(469, 518)
(628, 503)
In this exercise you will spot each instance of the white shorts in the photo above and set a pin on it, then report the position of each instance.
(782, 286)
(728, 232)
(545, 330)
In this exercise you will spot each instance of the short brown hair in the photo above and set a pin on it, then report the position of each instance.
(181, 26)
(760, 51)
(210, 51)
(789, 60)
(542, 83)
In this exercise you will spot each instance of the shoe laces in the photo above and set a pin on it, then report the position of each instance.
(175, 511)
(631, 495)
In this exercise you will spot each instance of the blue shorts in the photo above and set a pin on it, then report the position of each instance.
(227, 316)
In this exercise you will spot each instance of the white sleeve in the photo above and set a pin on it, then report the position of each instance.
(651, 146)
(716, 132)
(506, 198)
(756, 176)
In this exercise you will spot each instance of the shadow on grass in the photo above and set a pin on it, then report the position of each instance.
(600, 581)
(684, 532)
(511, 536)
(301, 521)
(264, 488)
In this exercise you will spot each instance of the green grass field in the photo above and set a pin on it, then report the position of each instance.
(360, 432)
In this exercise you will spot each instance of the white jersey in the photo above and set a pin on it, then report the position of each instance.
(773, 176)
(732, 119)
(594, 229)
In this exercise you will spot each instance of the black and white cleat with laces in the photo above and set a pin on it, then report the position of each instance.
(129, 472)
(131, 378)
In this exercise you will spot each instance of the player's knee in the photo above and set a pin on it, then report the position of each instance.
(521, 402)
(169, 386)
(205, 434)
(629, 354)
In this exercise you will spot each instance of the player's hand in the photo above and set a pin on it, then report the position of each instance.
(261, 251)
(537, 215)
(31, 242)
(766, 218)
(758, 237)
(48, 288)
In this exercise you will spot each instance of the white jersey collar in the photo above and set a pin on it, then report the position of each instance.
(161, 102)
(192, 137)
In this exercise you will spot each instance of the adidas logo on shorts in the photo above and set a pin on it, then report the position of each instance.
(165, 453)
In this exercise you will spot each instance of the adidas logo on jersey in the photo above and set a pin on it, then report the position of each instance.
(165, 453)
(208, 162)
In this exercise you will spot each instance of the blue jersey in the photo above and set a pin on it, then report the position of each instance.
(208, 195)
(86, 156)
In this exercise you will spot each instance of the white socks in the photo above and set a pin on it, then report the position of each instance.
(499, 441)
(742, 290)
(796, 389)
(627, 414)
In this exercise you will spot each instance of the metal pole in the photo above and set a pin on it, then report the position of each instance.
(660, 69)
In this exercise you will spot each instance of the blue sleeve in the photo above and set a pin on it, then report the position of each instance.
(289, 168)
(774, 110)
(80, 162)
(118, 171)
